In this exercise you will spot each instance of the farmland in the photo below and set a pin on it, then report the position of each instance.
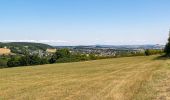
(4, 51)
(128, 78)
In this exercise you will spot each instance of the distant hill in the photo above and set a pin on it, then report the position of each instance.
(157, 46)
(32, 46)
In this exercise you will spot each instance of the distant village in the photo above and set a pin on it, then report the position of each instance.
(40, 53)
(26, 54)
(98, 51)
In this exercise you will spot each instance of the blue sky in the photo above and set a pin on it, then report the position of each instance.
(85, 22)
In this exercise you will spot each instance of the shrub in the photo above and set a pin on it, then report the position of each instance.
(13, 62)
(152, 52)
(3, 63)
(26, 61)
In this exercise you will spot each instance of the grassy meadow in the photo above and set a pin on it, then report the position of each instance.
(128, 78)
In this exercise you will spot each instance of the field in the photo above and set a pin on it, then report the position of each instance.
(4, 51)
(129, 78)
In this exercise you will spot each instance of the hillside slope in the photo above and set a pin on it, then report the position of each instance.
(29, 44)
(130, 78)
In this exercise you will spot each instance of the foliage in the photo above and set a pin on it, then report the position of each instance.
(152, 52)
(64, 55)
(13, 62)
(53, 59)
(92, 57)
(44, 61)
(3, 62)
(167, 48)
(21, 47)
(27, 60)
(60, 54)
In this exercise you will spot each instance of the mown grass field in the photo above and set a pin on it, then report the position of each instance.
(129, 78)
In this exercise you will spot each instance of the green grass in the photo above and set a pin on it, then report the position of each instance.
(128, 78)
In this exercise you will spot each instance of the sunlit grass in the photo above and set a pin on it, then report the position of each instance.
(109, 79)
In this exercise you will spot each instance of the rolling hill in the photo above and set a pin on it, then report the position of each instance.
(129, 78)
(30, 45)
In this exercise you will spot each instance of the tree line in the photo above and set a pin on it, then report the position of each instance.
(61, 56)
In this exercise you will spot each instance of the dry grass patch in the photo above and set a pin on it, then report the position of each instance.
(130, 78)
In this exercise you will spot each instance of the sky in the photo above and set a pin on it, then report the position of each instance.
(85, 22)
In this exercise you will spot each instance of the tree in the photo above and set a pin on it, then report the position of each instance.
(35, 60)
(53, 59)
(92, 56)
(25, 60)
(167, 47)
(44, 61)
(13, 62)
(62, 54)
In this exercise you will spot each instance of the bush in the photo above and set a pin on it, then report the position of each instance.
(3, 63)
(13, 62)
(44, 61)
(152, 52)
(60, 54)
(26, 61)
(167, 48)
(92, 57)
(35, 60)
(53, 59)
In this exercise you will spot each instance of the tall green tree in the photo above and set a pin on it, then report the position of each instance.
(167, 47)
(63, 54)
(25, 60)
